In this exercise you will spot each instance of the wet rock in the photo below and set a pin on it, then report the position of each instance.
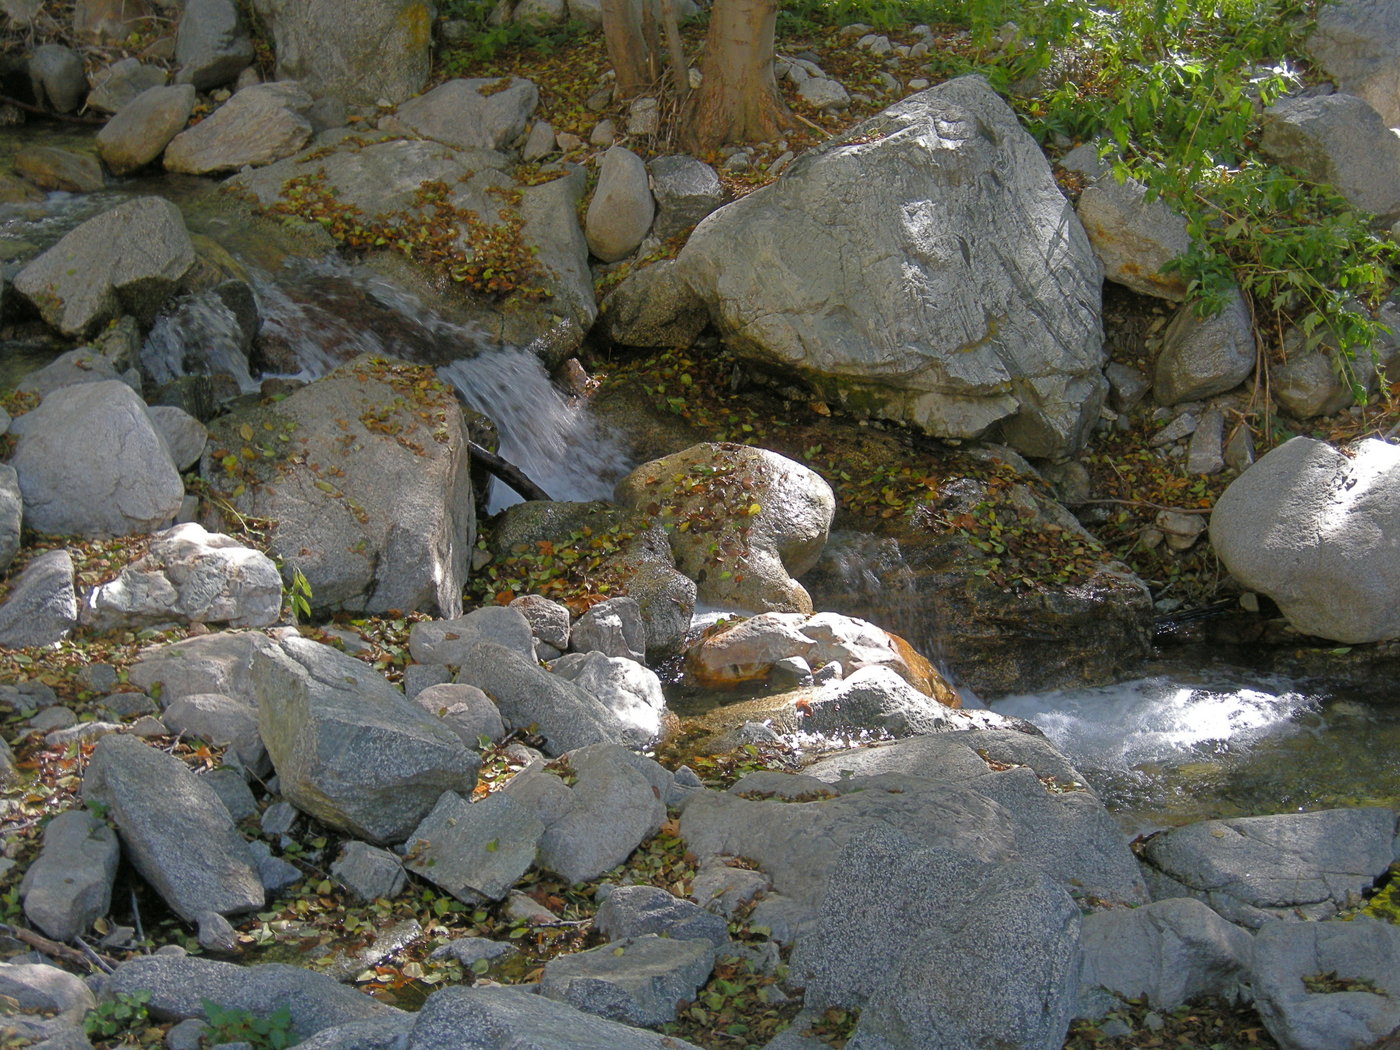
(42, 606)
(464, 709)
(1134, 237)
(56, 77)
(144, 126)
(654, 306)
(614, 628)
(348, 748)
(1341, 140)
(174, 829)
(477, 113)
(1307, 526)
(631, 911)
(686, 190)
(70, 884)
(369, 873)
(636, 980)
(121, 82)
(1204, 357)
(212, 46)
(622, 208)
(474, 850)
(1290, 866)
(257, 126)
(1357, 42)
(51, 168)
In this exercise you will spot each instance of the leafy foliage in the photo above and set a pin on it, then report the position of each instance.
(232, 1025)
(121, 1021)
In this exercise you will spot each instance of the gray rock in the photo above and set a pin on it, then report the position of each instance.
(622, 208)
(686, 190)
(51, 168)
(1307, 385)
(1127, 386)
(278, 820)
(539, 143)
(549, 620)
(1170, 953)
(369, 873)
(725, 890)
(179, 984)
(9, 772)
(1204, 454)
(875, 697)
(1358, 42)
(449, 641)
(1134, 237)
(144, 126)
(894, 917)
(654, 306)
(384, 1033)
(216, 934)
(57, 78)
(1204, 357)
(129, 259)
(11, 515)
(631, 691)
(636, 980)
(464, 709)
(212, 46)
(361, 55)
(275, 873)
(1308, 526)
(1341, 140)
(468, 950)
(257, 126)
(174, 829)
(188, 1034)
(37, 987)
(121, 82)
(933, 260)
(566, 716)
(478, 113)
(215, 663)
(193, 576)
(823, 93)
(1365, 951)
(83, 365)
(1289, 866)
(233, 791)
(549, 223)
(183, 435)
(42, 606)
(348, 748)
(70, 884)
(631, 911)
(475, 850)
(417, 677)
(614, 628)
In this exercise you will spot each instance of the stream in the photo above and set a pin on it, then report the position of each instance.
(1190, 741)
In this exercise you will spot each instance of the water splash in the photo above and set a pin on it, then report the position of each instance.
(200, 336)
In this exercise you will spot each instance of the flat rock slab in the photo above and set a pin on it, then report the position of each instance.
(70, 884)
(475, 850)
(637, 980)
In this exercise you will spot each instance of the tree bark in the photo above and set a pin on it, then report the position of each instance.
(738, 100)
(628, 48)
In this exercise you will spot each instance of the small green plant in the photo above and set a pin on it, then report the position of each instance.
(232, 1025)
(118, 1021)
(299, 597)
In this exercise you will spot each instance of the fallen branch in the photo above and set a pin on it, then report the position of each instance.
(507, 472)
(1152, 506)
(53, 949)
(29, 107)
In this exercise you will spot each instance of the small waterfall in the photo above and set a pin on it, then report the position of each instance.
(201, 336)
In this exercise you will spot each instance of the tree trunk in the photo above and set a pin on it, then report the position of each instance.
(628, 48)
(738, 100)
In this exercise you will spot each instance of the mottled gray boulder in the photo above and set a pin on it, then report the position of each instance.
(755, 520)
(144, 126)
(654, 306)
(468, 950)
(630, 911)
(449, 641)
(514, 1019)
(369, 873)
(1341, 140)
(42, 606)
(1201, 357)
(627, 688)
(360, 54)
(215, 663)
(51, 168)
(478, 113)
(1362, 957)
(219, 719)
(179, 984)
(174, 828)
(258, 125)
(212, 46)
(121, 82)
(193, 576)
(129, 259)
(878, 698)
(614, 628)
(183, 434)
(620, 213)
(1290, 866)
(371, 490)
(1134, 237)
(1314, 530)
(348, 748)
(474, 850)
(1307, 385)
(636, 980)
(1170, 953)
(11, 515)
(549, 620)
(83, 365)
(45, 1006)
(464, 709)
(1358, 43)
(56, 77)
(70, 883)
(725, 889)
(969, 294)
(566, 716)
(686, 190)
(941, 950)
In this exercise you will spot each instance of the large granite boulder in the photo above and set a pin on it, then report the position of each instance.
(924, 268)
(41, 607)
(367, 476)
(360, 54)
(1203, 356)
(1341, 140)
(212, 45)
(1134, 237)
(142, 128)
(212, 663)
(70, 884)
(476, 113)
(258, 125)
(1357, 42)
(1317, 530)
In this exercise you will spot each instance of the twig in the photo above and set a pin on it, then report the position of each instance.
(507, 472)
(1153, 506)
(53, 949)
(41, 111)
(101, 963)
(136, 921)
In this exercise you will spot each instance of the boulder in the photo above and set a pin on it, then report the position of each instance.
(144, 126)
(129, 259)
(182, 433)
(464, 709)
(51, 168)
(613, 627)
(366, 474)
(348, 748)
(626, 687)
(174, 829)
(685, 190)
(1307, 385)
(83, 365)
(876, 698)
(193, 576)
(215, 663)
(636, 980)
(620, 213)
(743, 521)
(1312, 528)
(968, 293)
(1289, 866)
(41, 608)
(369, 873)
(220, 719)
(121, 82)
(258, 125)
(363, 54)
(11, 511)
(1201, 357)
(1357, 42)
(478, 113)
(1341, 140)
(69, 885)
(212, 46)
(630, 911)
(653, 306)
(449, 641)
(56, 77)
(474, 850)
(1134, 237)
(549, 620)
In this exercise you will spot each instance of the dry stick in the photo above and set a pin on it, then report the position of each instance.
(53, 949)
(1154, 506)
(136, 921)
(101, 963)
(507, 472)
(41, 111)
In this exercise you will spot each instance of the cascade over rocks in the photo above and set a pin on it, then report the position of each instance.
(923, 268)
